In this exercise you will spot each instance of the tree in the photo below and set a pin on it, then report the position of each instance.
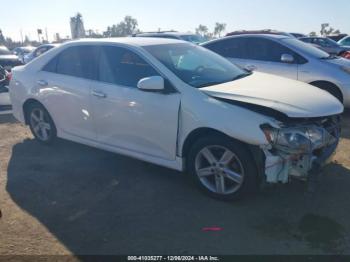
(2, 38)
(93, 34)
(327, 30)
(313, 34)
(202, 30)
(219, 28)
(126, 27)
(77, 26)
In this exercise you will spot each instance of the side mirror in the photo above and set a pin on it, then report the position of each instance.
(152, 83)
(287, 58)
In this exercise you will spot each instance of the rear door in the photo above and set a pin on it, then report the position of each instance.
(65, 88)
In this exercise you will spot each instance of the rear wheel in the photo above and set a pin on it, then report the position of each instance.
(41, 124)
(222, 167)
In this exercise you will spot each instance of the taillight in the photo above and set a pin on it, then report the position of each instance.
(346, 54)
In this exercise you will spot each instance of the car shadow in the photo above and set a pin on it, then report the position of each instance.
(96, 202)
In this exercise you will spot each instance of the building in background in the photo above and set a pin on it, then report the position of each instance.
(77, 26)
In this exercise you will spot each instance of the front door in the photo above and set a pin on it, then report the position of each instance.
(128, 118)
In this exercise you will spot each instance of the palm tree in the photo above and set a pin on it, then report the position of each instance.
(77, 26)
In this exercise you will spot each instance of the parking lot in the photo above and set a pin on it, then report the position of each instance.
(70, 198)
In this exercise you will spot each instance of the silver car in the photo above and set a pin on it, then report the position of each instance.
(288, 57)
(326, 44)
(344, 41)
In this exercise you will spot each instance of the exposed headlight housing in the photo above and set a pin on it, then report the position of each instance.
(298, 140)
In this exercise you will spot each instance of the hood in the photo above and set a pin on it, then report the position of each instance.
(340, 61)
(292, 98)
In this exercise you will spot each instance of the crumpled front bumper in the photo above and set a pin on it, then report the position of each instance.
(281, 166)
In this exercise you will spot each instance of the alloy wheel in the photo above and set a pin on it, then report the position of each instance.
(219, 170)
(40, 124)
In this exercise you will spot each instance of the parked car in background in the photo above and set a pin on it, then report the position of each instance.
(188, 37)
(337, 37)
(288, 57)
(38, 52)
(254, 32)
(22, 51)
(5, 77)
(297, 35)
(7, 59)
(326, 44)
(344, 41)
(181, 106)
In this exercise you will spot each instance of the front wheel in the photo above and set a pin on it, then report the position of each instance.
(222, 167)
(41, 124)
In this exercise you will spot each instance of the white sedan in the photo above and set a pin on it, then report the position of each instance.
(181, 106)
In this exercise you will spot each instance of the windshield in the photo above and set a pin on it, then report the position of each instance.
(197, 39)
(4, 51)
(331, 42)
(305, 48)
(196, 65)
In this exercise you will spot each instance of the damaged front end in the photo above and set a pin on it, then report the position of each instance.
(299, 147)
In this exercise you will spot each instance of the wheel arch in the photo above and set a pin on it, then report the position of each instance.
(255, 151)
(194, 135)
(324, 84)
(26, 106)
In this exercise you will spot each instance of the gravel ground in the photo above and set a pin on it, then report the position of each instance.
(72, 199)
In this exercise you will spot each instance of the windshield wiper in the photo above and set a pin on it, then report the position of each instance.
(210, 84)
(222, 82)
(242, 76)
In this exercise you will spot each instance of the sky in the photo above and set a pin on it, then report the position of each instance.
(302, 16)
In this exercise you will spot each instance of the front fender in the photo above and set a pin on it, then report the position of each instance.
(231, 120)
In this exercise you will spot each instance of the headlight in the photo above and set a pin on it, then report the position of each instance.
(295, 140)
(346, 69)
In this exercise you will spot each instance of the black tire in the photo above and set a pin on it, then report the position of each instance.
(51, 133)
(241, 152)
(330, 88)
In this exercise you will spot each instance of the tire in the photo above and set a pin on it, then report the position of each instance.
(330, 88)
(41, 124)
(236, 167)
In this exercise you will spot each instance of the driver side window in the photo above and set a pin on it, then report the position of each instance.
(266, 50)
(121, 66)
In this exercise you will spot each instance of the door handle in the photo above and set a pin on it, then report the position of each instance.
(250, 67)
(42, 83)
(98, 94)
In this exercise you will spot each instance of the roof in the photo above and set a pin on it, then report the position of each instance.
(134, 41)
(268, 36)
(264, 31)
(175, 33)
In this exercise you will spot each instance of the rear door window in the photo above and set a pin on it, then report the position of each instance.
(232, 48)
(78, 61)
